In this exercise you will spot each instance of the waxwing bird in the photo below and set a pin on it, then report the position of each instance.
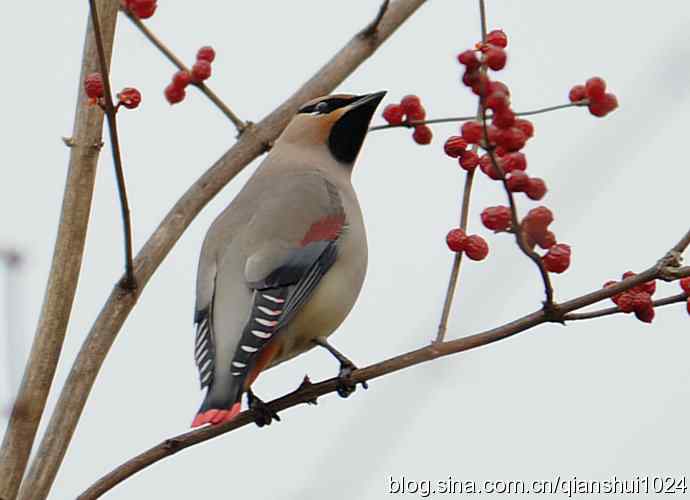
(283, 264)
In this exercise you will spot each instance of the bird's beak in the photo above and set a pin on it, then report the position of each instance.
(369, 100)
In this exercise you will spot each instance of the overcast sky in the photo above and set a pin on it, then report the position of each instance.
(592, 400)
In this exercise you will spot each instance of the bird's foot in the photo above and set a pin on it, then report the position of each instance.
(345, 385)
(263, 415)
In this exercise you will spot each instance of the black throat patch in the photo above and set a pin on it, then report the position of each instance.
(348, 133)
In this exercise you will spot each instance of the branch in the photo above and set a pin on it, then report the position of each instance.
(371, 29)
(673, 299)
(309, 392)
(158, 43)
(464, 215)
(458, 119)
(118, 305)
(111, 114)
(64, 272)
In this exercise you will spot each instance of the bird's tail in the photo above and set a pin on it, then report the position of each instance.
(217, 409)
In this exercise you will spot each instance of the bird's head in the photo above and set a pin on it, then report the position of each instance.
(339, 122)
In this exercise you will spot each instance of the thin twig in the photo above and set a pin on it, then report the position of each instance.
(239, 124)
(371, 29)
(464, 216)
(458, 119)
(673, 299)
(309, 392)
(111, 115)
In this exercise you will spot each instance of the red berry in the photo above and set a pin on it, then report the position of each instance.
(538, 218)
(496, 218)
(536, 189)
(497, 101)
(486, 164)
(480, 85)
(557, 258)
(646, 315)
(604, 105)
(470, 77)
(641, 300)
(455, 146)
(595, 87)
(393, 114)
(181, 79)
(517, 181)
(545, 240)
(143, 9)
(688, 306)
(455, 239)
(129, 97)
(625, 302)
(504, 118)
(201, 70)
(497, 38)
(649, 287)
(174, 94)
(495, 58)
(577, 93)
(512, 139)
(496, 86)
(514, 161)
(493, 133)
(685, 284)
(410, 103)
(422, 134)
(206, 53)
(469, 160)
(628, 274)
(476, 247)
(93, 85)
(526, 126)
(472, 132)
(417, 114)
(469, 59)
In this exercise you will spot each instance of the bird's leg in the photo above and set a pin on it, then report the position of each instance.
(345, 384)
(263, 415)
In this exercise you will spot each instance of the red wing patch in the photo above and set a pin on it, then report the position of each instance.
(325, 229)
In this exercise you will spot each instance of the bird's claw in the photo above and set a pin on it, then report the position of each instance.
(263, 415)
(345, 385)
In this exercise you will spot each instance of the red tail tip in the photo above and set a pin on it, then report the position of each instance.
(216, 416)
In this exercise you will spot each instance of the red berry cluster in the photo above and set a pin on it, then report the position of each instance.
(600, 103)
(128, 97)
(408, 111)
(535, 231)
(685, 285)
(637, 300)
(143, 9)
(474, 246)
(175, 91)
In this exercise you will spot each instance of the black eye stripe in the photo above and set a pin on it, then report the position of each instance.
(331, 103)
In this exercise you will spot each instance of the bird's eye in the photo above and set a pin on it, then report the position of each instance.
(321, 107)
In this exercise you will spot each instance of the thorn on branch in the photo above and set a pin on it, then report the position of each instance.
(69, 142)
(307, 384)
(371, 29)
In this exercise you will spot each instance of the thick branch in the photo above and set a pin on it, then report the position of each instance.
(64, 272)
(239, 124)
(118, 306)
(309, 392)
(111, 115)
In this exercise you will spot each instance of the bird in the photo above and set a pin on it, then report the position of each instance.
(282, 266)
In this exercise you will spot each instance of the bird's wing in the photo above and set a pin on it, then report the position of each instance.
(288, 245)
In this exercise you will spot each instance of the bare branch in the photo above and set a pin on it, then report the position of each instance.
(239, 124)
(458, 119)
(118, 306)
(64, 271)
(309, 392)
(673, 299)
(111, 114)
(372, 28)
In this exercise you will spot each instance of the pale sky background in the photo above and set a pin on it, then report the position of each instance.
(593, 399)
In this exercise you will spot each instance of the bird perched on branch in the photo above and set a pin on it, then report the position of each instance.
(283, 264)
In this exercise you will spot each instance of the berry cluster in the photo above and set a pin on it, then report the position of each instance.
(637, 299)
(128, 97)
(201, 70)
(474, 246)
(600, 102)
(143, 9)
(409, 110)
(685, 285)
